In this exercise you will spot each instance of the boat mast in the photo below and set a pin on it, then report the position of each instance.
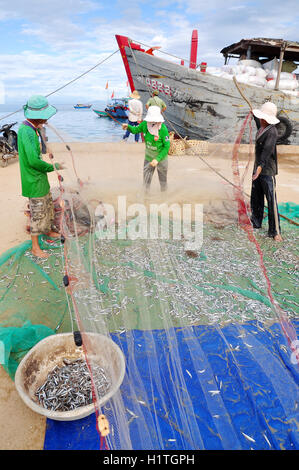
(193, 51)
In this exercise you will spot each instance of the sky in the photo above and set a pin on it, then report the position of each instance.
(47, 43)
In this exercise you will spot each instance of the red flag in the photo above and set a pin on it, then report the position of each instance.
(106, 86)
(112, 96)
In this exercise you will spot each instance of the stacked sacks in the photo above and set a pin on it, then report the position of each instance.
(251, 72)
(288, 82)
(245, 72)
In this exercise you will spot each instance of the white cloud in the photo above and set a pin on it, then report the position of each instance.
(44, 11)
(71, 45)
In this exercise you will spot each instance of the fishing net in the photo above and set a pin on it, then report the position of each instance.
(207, 326)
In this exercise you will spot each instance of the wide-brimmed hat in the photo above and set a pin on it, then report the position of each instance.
(135, 95)
(154, 114)
(37, 107)
(267, 112)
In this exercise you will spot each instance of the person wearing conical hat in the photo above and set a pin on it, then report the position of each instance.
(265, 169)
(157, 144)
(135, 113)
(33, 169)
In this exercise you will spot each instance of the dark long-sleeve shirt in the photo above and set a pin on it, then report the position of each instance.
(265, 150)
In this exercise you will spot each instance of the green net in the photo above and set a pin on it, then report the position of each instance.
(127, 278)
(17, 341)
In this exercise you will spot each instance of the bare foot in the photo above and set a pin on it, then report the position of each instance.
(39, 253)
(53, 234)
(278, 238)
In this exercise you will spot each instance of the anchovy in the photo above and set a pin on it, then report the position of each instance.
(69, 386)
(248, 437)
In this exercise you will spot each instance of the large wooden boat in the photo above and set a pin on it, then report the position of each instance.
(203, 106)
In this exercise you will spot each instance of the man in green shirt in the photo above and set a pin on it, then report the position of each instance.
(156, 101)
(34, 179)
(156, 138)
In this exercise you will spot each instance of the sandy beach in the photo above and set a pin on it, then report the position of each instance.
(113, 169)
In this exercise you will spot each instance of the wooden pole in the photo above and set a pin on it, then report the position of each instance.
(282, 49)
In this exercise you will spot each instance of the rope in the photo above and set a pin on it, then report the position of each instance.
(82, 74)
(163, 52)
(66, 84)
(241, 93)
(103, 441)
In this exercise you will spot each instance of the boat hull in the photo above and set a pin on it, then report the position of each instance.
(199, 105)
(100, 113)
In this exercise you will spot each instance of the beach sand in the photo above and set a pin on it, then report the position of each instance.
(113, 169)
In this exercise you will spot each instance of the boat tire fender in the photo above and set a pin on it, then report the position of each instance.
(284, 128)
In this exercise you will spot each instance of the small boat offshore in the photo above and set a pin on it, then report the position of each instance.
(202, 101)
(82, 106)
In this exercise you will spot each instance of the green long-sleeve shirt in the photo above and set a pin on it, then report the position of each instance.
(33, 169)
(154, 149)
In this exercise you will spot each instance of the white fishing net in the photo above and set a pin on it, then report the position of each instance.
(207, 330)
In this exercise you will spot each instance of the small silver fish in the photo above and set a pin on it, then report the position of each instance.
(248, 437)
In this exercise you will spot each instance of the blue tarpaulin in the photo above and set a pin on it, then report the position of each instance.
(243, 386)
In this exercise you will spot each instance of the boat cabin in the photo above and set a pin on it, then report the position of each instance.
(264, 50)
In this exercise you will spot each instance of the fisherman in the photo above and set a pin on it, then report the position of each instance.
(157, 145)
(155, 100)
(265, 169)
(34, 179)
(135, 113)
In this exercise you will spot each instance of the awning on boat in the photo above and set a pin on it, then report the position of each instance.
(264, 47)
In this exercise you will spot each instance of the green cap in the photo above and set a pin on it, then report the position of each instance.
(37, 107)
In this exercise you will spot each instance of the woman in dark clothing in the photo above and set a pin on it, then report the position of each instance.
(265, 170)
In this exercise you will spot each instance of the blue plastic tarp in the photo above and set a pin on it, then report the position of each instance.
(256, 406)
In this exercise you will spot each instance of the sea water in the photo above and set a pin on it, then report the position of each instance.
(74, 125)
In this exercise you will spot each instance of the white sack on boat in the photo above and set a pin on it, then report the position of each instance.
(250, 63)
(283, 76)
(226, 75)
(242, 78)
(214, 70)
(288, 76)
(257, 81)
(283, 84)
(270, 84)
(239, 69)
(271, 64)
(261, 73)
(291, 92)
(288, 84)
(228, 69)
(250, 70)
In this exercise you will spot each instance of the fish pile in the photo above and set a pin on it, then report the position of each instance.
(70, 386)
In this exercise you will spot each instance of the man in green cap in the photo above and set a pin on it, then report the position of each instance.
(34, 179)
